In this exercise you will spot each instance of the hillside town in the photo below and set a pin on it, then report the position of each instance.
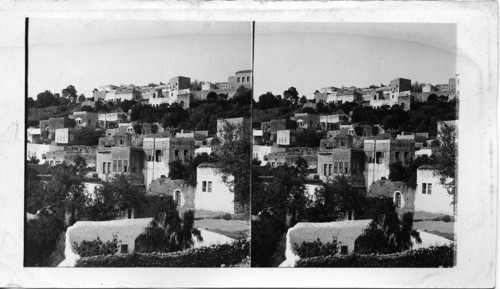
(355, 177)
(153, 168)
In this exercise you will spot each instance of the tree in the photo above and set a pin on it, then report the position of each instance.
(70, 92)
(212, 96)
(46, 99)
(234, 155)
(446, 158)
(33, 160)
(154, 128)
(41, 236)
(168, 232)
(192, 166)
(138, 128)
(88, 136)
(65, 192)
(291, 94)
(387, 234)
(301, 163)
(336, 200)
(87, 108)
(81, 98)
(176, 170)
(303, 99)
(268, 100)
(34, 191)
(243, 96)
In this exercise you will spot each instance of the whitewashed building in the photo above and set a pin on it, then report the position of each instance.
(211, 192)
(260, 152)
(430, 195)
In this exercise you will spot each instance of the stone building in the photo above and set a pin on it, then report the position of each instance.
(430, 195)
(65, 136)
(85, 118)
(261, 152)
(182, 193)
(177, 90)
(48, 127)
(337, 157)
(212, 193)
(286, 138)
(329, 122)
(402, 196)
(291, 155)
(397, 93)
(33, 134)
(242, 77)
(39, 151)
(69, 153)
(306, 120)
(380, 153)
(274, 125)
(116, 155)
(159, 152)
(105, 119)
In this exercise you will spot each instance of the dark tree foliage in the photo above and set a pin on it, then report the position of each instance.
(303, 99)
(46, 99)
(308, 138)
(189, 174)
(387, 234)
(234, 154)
(41, 236)
(212, 96)
(88, 136)
(168, 232)
(69, 92)
(87, 108)
(176, 170)
(267, 101)
(126, 105)
(291, 94)
(34, 192)
(446, 159)
(335, 200)
(408, 172)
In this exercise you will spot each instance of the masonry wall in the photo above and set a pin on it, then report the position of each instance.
(220, 199)
(167, 187)
(438, 201)
(387, 188)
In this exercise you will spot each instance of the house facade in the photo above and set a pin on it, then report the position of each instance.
(430, 195)
(211, 191)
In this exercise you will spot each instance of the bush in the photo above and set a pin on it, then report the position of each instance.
(97, 247)
(226, 216)
(446, 218)
(442, 256)
(316, 248)
(214, 256)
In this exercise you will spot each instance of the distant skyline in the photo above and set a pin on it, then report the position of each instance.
(93, 53)
(309, 57)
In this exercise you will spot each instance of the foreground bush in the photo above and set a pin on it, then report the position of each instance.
(442, 256)
(214, 256)
(316, 248)
(96, 247)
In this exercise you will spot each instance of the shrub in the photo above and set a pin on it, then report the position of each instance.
(316, 248)
(226, 216)
(214, 256)
(446, 218)
(442, 256)
(97, 247)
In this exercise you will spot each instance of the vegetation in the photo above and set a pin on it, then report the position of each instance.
(96, 247)
(41, 238)
(316, 248)
(214, 256)
(168, 232)
(433, 257)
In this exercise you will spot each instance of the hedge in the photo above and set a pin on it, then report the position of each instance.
(214, 256)
(442, 256)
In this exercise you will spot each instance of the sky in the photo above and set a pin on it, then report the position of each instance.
(93, 53)
(310, 56)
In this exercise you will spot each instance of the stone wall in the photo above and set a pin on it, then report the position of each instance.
(388, 189)
(167, 187)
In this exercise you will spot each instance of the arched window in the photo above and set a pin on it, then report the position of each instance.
(178, 197)
(398, 200)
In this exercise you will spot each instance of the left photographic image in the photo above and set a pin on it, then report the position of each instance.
(138, 143)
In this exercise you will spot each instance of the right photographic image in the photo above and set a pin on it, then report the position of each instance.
(355, 133)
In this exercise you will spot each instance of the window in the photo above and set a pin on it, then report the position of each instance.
(238, 79)
(114, 165)
(429, 188)
(177, 197)
(397, 200)
(158, 155)
(424, 187)
(330, 169)
(186, 153)
(104, 168)
(397, 156)
(176, 153)
(379, 156)
(119, 166)
(325, 166)
(344, 250)
(209, 186)
(341, 167)
(336, 168)
(248, 78)
(204, 186)
(125, 166)
(346, 167)
(121, 141)
(71, 137)
(124, 248)
(342, 143)
(293, 139)
(406, 155)
(109, 167)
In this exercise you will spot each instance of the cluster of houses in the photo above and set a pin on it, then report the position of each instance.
(399, 91)
(363, 153)
(178, 89)
(145, 152)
